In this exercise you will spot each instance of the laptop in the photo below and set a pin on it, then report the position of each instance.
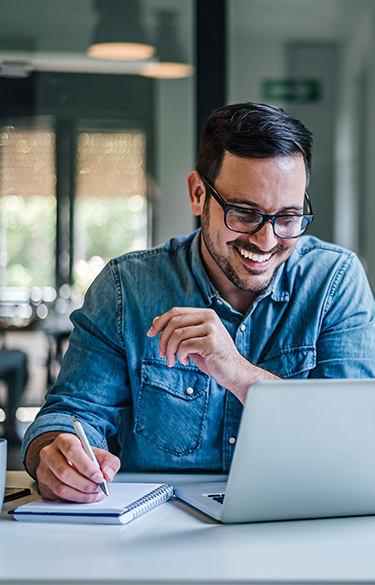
(305, 449)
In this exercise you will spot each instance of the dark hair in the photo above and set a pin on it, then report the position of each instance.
(251, 130)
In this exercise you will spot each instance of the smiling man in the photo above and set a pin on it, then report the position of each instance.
(169, 340)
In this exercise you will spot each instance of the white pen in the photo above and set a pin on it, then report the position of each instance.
(87, 447)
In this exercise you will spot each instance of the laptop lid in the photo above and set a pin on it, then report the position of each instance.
(305, 449)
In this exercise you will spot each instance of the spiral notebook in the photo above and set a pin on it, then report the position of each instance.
(125, 502)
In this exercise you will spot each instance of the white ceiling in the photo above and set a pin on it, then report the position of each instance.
(62, 29)
(294, 19)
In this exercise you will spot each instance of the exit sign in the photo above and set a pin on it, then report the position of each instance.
(299, 91)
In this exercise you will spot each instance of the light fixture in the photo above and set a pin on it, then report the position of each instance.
(171, 63)
(120, 34)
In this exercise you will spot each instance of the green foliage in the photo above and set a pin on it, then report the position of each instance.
(104, 228)
(28, 231)
(109, 227)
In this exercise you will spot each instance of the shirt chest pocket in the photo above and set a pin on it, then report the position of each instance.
(171, 406)
(291, 362)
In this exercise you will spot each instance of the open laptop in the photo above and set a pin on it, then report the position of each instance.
(305, 449)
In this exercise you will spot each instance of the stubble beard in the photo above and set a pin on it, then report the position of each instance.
(224, 264)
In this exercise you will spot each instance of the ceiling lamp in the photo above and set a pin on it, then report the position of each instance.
(120, 34)
(171, 63)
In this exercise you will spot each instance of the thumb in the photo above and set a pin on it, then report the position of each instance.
(109, 463)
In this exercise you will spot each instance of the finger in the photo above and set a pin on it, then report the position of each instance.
(54, 466)
(159, 323)
(177, 322)
(64, 459)
(152, 331)
(46, 492)
(109, 463)
(193, 347)
(192, 334)
(71, 448)
(51, 488)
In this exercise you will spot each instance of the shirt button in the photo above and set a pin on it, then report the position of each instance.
(219, 302)
(232, 440)
(243, 327)
(189, 391)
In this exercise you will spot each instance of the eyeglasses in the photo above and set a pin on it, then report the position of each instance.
(247, 221)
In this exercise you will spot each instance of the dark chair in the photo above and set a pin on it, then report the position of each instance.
(14, 372)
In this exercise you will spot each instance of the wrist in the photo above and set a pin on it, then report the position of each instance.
(32, 457)
(247, 374)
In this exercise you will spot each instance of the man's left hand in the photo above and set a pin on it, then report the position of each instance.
(199, 334)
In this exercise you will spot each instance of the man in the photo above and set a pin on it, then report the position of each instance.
(170, 339)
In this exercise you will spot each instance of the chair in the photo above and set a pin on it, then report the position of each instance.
(14, 372)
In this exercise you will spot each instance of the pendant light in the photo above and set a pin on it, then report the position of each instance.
(120, 34)
(170, 63)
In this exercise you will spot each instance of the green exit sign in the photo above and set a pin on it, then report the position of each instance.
(299, 91)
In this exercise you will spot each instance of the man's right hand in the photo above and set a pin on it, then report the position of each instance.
(65, 472)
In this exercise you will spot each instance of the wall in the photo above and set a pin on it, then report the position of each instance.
(318, 62)
(175, 131)
(355, 141)
(250, 61)
(175, 157)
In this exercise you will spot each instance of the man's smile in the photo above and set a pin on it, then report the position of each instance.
(255, 257)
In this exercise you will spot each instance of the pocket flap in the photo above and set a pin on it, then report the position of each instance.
(186, 382)
(290, 362)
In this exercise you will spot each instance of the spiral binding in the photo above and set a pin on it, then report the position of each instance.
(153, 499)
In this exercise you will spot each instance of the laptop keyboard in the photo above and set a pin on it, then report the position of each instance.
(217, 497)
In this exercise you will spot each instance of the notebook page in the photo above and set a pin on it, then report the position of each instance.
(121, 496)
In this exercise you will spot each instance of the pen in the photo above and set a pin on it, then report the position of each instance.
(87, 447)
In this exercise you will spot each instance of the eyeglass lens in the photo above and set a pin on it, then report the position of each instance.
(285, 226)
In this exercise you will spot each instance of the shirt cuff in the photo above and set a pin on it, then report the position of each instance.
(59, 422)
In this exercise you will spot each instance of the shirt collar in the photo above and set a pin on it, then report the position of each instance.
(208, 290)
(280, 284)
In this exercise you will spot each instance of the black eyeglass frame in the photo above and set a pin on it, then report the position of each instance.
(265, 217)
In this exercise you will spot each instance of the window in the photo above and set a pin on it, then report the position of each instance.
(27, 207)
(110, 209)
(109, 202)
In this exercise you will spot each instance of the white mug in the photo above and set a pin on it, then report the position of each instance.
(3, 468)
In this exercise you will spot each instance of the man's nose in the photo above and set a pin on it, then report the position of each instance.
(265, 238)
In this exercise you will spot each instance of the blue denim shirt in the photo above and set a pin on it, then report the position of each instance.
(315, 319)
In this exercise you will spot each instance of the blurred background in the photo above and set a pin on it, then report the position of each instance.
(102, 103)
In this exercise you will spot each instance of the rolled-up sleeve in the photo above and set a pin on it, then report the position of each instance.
(93, 382)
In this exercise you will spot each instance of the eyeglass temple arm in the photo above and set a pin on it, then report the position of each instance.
(309, 206)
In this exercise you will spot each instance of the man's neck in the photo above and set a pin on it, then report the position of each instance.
(240, 300)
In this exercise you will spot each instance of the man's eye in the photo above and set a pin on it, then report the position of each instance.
(245, 217)
(288, 220)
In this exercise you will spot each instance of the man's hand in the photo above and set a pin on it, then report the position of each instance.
(65, 472)
(199, 334)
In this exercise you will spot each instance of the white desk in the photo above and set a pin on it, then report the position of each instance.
(175, 544)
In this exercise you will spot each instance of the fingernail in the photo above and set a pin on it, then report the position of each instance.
(109, 473)
(97, 478)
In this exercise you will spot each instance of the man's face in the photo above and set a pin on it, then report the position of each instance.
(249, 261)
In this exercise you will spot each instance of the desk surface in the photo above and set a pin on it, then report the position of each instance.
(176, 544)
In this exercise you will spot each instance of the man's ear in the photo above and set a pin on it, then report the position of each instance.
(197, 192)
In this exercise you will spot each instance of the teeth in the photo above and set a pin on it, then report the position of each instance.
(255, 257)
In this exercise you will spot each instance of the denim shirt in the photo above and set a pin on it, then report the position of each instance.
(315, 319)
